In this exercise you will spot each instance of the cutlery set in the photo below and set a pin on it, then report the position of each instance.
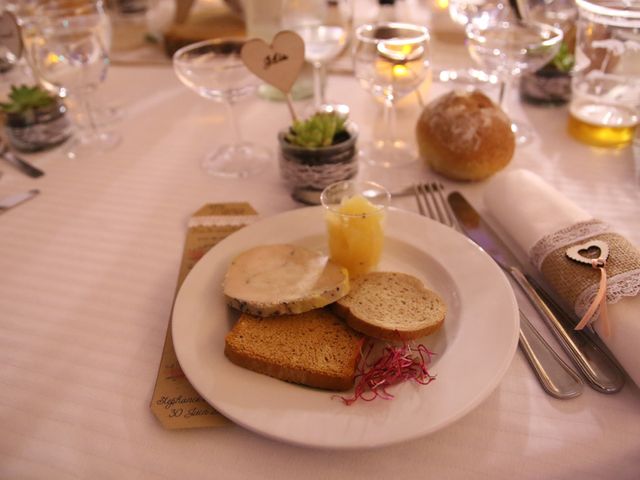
(557, 378)
(25, 167)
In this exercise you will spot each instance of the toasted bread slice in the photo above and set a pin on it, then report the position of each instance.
(314, 348)
(391, 306)
(283, 279)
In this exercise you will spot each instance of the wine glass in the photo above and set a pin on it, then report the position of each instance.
(391, 60)
(325, 27)
(69, 55)
(483, 12)
(462, 12)
(90, 14)
(214, 70)
(510, 48)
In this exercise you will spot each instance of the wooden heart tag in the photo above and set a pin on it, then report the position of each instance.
(586, 253)
(278, 64)
(10, 37)
(579, 252)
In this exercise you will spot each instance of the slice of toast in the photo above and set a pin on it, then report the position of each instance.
(283, 279)
(314, 348)
(391, 306)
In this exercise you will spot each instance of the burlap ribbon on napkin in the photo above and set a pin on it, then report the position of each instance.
(577, 283)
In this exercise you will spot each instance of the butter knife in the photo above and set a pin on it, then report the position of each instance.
(600, 371)
(13, 200)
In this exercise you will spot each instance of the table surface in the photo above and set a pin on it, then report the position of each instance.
(88, 275)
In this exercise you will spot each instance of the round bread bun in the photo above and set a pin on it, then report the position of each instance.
(465, 136)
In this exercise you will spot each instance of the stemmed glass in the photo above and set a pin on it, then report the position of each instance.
(92, 14)
(214, 70)
(325, 27)
(463, 12)
(510, 48)
(391, 60)
(69, 55)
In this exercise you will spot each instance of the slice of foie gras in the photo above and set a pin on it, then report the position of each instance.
(283, 279)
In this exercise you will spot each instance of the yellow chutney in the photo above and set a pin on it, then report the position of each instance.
(356, 235)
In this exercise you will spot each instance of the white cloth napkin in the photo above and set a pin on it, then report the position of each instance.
(528, 209)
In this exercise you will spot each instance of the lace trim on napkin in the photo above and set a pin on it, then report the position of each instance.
(626, 284)
(571, 234)
(222, 220)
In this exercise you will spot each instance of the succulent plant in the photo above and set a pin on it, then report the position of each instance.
(564, 59)
(24, 98)
(320, 130)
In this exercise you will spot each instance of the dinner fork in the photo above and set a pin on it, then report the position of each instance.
(556, 377)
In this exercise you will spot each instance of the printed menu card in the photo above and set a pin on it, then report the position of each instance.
(175, 402)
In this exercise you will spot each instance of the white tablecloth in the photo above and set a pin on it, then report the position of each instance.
(88, 272)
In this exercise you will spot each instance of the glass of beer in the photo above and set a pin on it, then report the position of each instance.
(605, 106)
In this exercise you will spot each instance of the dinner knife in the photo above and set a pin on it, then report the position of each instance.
(13, 200)
(600, 371)
(18, 162)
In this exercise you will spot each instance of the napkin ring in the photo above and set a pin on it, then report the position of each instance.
(588, 290)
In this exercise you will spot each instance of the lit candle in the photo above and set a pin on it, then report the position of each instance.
(441, 22)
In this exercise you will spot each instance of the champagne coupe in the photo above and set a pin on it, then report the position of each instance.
(214, 70)
(510, 48)
(391, 60)
(325, 27)
(69, 55)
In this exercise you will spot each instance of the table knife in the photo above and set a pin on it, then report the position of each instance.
(600, 371)
(18, 162)
(13, 200)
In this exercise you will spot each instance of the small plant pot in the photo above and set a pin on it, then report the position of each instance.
(546, 86)
(309, 170)
(38, 129)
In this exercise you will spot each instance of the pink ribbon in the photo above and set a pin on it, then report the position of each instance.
(599, 303)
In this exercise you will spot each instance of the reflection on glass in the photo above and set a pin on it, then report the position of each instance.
(391, 60)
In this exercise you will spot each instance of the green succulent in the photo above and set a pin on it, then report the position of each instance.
(24, 98)
(564, 59)
(319, 130)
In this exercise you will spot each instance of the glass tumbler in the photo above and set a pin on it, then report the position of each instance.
(354, 215)
(605, 107)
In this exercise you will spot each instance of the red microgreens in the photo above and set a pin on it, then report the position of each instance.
(395, 365)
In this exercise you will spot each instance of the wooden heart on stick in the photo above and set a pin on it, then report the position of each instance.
(278, 64)
(10, 37)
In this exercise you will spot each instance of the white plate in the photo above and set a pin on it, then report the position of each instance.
(474, 348)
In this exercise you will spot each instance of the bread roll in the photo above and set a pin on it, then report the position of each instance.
(465, 136)
(391, 306)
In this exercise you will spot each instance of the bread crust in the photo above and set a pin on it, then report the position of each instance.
(465, 136)
(315, 348)
(361, 312)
